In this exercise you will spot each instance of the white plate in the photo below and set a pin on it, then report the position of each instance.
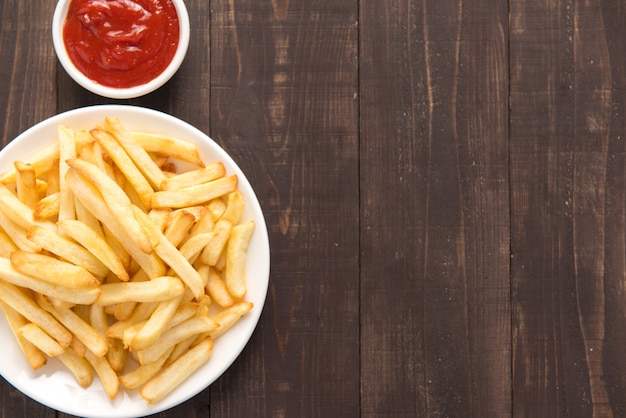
(52, 385)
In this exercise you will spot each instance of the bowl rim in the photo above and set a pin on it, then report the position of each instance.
(58, 20)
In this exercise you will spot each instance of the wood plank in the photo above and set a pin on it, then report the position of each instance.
(283, 93)
(26, 97)
(568, 191)
(434, 190)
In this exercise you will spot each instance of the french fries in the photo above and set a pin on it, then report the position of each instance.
(111, 255)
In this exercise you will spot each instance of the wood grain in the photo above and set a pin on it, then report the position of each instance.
(567, 189)
(284, 85)
(434, 209)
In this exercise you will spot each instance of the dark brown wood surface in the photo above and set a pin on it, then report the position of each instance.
(444, 184)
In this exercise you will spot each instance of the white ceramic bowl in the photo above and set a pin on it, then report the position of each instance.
(58, 21)
(53, 385)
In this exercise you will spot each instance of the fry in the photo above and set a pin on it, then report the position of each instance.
(194, 195)
(78, 366)
(228, 317)
(35, 357)
(47, 207)
(67, 249)
(52, 270)
(237, 247)
(155, 290)
(177, 372)
(136, 153)
(94, 202)
(17, 299)
(108, 377)
(40, 339)
(193, 177)
(26, 184)
(217, 289)
(74, 323)
(83, 296)
(153, 327)
(117, 201)
(125, 164)
(96, 245)
(143, 373)
(193, 326)
(67, 150)
(170, 255)
(223, 228)
(168, 145)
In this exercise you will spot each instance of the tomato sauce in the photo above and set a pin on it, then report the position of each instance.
(121, 43)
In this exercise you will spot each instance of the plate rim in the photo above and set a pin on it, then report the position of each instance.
(261, 234)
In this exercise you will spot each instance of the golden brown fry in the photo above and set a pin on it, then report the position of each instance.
(228, 317)
(78, 366)
(47, 207)
(67, 249)
(170, 255)
(236, 249)
(143, 373)
(42, 162)
(117, 201)
(179, 227)
(154, 326)
(157, 388)
(18, 235)
(72, 295)
(217, 289)
(155, 290)
(167, 145)
(67, 150)
(24, 305)
(7, 246)
(26, 184)
(136, 153)
(93, 201)
(223, 228)
(108, 377)
(52, 270)
(194, 195)
(191, 178)
(40, 339)
(125, 164)
(193, 326)
(96, 245)
(81, 329)
(35, 357)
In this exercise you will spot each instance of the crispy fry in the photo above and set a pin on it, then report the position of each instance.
(94, 202)
(194, 177)
(78, 366)
(237, 247)
(35, 357)
(217, 289)
(167, 145)
(40, 339)
(96, 245)
(223, 228)
(52, 270)
(194, 195)
(117, 201)
(193, 326)
(72, 295)
(67, 249)
(155, 290)
(170, 255)
(136, 153)
(24, 305)
(67, 150)
(157, 388)
(143, 373)
(228, 317)
(47, 207)
(26, 184)
(125, 164)
(108, 377)
(82, 330)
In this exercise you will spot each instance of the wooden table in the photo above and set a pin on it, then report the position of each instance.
(445, 188)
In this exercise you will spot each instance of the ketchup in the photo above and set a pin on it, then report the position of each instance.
(121, 43)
